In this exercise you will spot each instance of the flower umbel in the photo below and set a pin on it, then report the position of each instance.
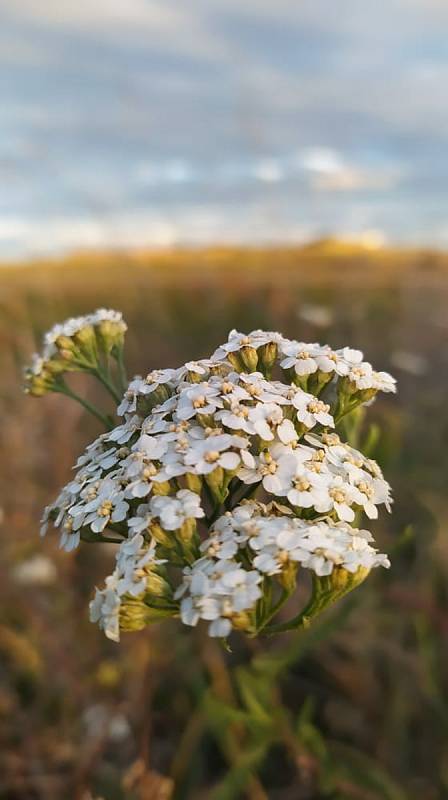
(223, 480)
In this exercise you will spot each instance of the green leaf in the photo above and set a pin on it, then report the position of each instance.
(220, 714)
(256, 694)
(239, 775)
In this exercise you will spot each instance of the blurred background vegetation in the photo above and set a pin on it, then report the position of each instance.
(354, 708)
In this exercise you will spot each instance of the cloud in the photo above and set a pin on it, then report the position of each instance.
(302, 116)
(198, 225)
(329, 171)
(156, 23)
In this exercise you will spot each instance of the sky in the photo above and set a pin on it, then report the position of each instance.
(153, 123)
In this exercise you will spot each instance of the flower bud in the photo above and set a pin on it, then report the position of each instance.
(39, 381)
(329, 588)
(249, 358)
(288, 576)
(364, 395)
(193, 482)
(219, 369)
(267, 355)
(162, 488)
(55, 366)
(205, 420)
(110, 334)
(236, 362)
(157, 586)
(86, 341)
(134, 614)
(342, 581)
(215, 482)
(194, 377)
(145, 403)
(161, 536)
(187, 531)
(241, 621)
(37, 387)
(69, 359)
(318, 380)
(65, 343)
(300, 380)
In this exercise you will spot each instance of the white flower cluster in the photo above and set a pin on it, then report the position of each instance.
(135, 567)
(172, 479)
(74, 344)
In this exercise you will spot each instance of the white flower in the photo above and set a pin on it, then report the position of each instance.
(142, 387)
(140, 474)
(236, 418)
(216, 590)
(340, 497)
(237, 341)
(135, 560)
(362, 376)
(107, 507)
(262, 390)
(199, 398)
(207, 454)
(308, 488)
(372, 492)
(174, 511)
(105, 609)
(159, 377)
(141, 521)
(350, 356)
(122, 433)
(274, 472)
(133, 556)
(70, 538)
(203, 368)
(267, 420)
(301, 357)
(285, 547)
(329, 545)
(107, 315)
(384, 382)
(361, 472)
(311, 411)
(221, 545)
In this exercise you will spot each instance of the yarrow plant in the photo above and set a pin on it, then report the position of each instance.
(223, 483)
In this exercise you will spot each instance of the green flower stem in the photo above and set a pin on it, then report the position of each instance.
(285, 595)
(345, 406)
(326, 590)
(322, 596)
(64, 389)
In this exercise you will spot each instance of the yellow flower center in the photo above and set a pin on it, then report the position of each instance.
(211, 456)
(105, 509)
(199, 402)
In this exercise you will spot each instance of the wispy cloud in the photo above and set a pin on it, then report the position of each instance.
(307, 117)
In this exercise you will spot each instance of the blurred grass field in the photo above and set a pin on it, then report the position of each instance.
(82, 718)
